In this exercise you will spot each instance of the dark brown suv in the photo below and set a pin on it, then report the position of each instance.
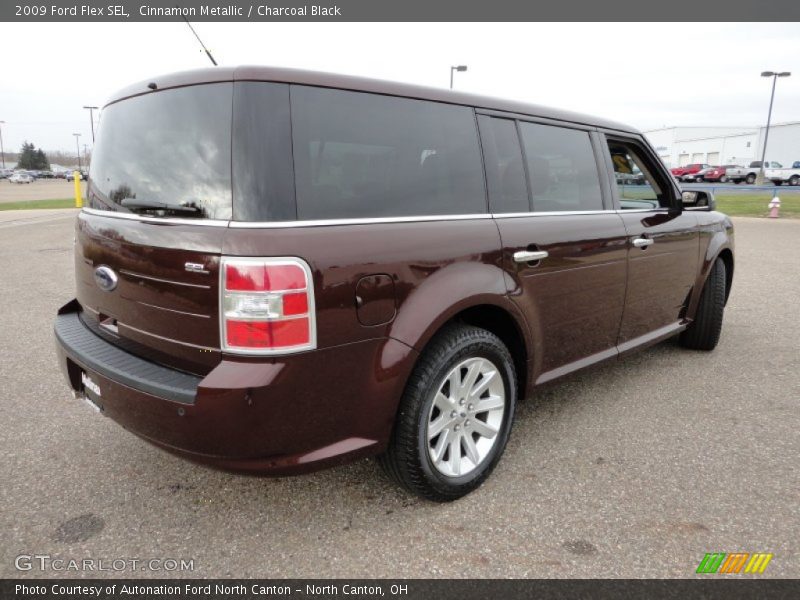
(281, 270)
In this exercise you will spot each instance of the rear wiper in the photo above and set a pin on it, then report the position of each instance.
(133, 204)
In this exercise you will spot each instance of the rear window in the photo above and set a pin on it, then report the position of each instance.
(166, 154)
(359, 155)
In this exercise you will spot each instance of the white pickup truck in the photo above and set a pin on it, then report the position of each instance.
(749, 174)
(790, 175)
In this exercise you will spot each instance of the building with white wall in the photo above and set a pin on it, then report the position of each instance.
(679, 146)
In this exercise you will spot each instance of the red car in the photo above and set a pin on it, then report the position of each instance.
(714, 174)
(688, 172)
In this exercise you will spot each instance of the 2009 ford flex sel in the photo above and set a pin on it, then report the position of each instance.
(281, 270)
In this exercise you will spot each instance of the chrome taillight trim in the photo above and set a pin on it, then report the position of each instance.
(309, 289)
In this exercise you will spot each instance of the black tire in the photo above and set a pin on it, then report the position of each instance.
(723, 179)
(407, 460)
(698, 180)
(750, 179)
(794, 180)
(703, 333)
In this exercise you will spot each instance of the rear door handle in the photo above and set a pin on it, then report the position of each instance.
(643, 242)
(525, 256)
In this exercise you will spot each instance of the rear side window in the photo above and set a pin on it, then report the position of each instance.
(361, 155)
(562, 168)
(166, 153)
(505, 171)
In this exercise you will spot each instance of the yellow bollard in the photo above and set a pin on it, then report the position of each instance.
(78, 199)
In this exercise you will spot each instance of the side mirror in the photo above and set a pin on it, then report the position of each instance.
(700, 199)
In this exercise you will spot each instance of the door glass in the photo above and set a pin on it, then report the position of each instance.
(562, 168)
(637, 187)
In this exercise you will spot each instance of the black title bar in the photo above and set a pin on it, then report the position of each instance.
(710, 588)
(400, 10)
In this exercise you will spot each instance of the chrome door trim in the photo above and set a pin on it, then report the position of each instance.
(364, 221)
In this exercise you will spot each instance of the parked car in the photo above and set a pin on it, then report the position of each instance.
(688, 172)
(790, 175)
(750, 173)
(371, 268)
(634, 178)
(70, 175)
(21, 177)
(6, 173)
(700, 176)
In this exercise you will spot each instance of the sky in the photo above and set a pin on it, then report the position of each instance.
(644, 74)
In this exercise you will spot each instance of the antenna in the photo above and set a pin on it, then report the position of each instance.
(211, 58)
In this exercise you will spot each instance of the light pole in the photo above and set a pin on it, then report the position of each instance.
(774, 76)
(2, 151)
(78, 148)
(91, 110)
(460, 68)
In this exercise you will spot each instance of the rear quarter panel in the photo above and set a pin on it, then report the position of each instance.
(437, 268)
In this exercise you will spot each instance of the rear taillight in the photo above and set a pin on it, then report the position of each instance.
(267, 306)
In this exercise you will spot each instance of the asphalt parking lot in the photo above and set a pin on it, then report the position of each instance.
(44, 189)
(635, 469)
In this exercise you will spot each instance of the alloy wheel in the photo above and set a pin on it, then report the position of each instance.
(465, 417)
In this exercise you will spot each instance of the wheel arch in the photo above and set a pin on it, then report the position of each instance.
(494, 313)
(726, 254)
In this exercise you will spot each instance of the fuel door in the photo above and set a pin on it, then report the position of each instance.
(375, 299)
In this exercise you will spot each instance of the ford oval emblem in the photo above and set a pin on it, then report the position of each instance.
(105, 278)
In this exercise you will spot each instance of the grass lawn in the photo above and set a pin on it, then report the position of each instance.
(62, 203)
(756, 205)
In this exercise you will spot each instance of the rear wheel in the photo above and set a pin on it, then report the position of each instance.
(455, 416)
(750, 179)
(723, 179)
(703, 333)
(794, 180)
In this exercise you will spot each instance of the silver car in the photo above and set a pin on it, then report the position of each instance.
(21, 178)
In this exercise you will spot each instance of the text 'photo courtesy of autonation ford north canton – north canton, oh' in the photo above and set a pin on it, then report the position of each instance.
(399, 299)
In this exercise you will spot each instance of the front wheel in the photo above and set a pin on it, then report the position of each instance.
(750, 179)
(698, 180)
(455, 416)
(794, 180)
(723, 179)
(703, 333)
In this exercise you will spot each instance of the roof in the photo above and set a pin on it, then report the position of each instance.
(361, 84)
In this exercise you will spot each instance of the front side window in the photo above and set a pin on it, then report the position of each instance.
(562, 168)
(638, 187)
(166, 153)
(360, 155)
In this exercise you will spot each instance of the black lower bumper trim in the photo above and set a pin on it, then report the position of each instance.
(112, 362)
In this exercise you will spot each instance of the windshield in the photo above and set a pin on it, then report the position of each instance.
(166, 154)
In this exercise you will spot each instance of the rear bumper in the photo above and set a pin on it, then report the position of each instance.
(272, 416)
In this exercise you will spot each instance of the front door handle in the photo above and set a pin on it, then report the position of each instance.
(643, 242)
(525, 256)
